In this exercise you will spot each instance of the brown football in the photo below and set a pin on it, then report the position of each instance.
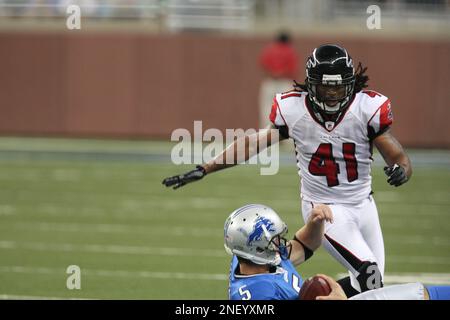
(313, 287)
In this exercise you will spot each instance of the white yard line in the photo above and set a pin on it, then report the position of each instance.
(118, 273)
(171, 231)
(20, 297)
(419, 240)
(424, 278)
(114, 249)
(390, 278)
(183, 231)
(421, 216)
(186, 252)
(413, 224)
(418, 260)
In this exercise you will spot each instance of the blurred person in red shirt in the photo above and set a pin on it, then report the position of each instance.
(280, 63)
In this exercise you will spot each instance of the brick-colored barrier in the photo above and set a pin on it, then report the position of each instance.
(143, 85)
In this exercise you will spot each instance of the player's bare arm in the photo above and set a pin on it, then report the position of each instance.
(311, 234)
(399, 168)
(251, 149)
(228, 158)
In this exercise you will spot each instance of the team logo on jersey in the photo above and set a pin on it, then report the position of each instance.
(329, 125)
(390, 116)
(258, 229)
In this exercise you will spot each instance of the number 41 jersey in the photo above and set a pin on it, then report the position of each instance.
(333, 158)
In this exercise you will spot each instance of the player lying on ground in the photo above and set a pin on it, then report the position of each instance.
(263, 263)
(254, 234)
(334, 124)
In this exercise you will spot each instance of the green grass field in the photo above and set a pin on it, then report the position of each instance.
(135, 239)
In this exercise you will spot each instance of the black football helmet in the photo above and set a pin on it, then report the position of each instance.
(331, 67)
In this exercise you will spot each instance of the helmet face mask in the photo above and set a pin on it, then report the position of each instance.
(282, 245)
(331, 68)
(256, 233)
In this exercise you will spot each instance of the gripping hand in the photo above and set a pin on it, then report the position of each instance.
(396, 175)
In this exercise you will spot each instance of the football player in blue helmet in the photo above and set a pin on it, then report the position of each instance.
(263, 263)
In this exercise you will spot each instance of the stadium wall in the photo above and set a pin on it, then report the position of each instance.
(145, 86)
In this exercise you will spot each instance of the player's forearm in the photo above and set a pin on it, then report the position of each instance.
(242, 149)
(227, 159)
(403, 160)
(392, 152)
(311, 235)
(216, 165)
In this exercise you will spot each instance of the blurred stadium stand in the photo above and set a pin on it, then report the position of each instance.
(65, 82)
(244, 15)
(115, 9)
(204, 14)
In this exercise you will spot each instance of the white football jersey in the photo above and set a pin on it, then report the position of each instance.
(334, 159)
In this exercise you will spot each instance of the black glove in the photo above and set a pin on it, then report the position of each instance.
(397, 175)
(183, 179)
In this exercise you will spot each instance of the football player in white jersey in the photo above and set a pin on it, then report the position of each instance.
(334, 123)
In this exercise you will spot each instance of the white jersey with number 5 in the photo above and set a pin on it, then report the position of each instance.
(334, 158)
